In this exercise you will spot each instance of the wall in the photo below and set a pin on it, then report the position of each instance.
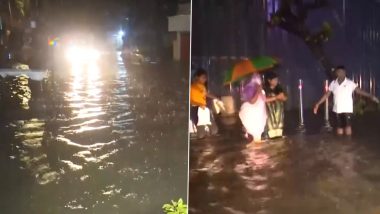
(179, 23)
(177, 47)
(226, 30)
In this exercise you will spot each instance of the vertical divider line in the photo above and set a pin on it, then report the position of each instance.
(189, 106)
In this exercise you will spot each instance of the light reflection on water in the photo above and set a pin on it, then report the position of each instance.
(299, 174)
(86, 157)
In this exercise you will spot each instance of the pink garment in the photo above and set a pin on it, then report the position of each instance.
(254, 116)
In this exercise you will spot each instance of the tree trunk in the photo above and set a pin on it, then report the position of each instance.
(295, 23)
(319, 53)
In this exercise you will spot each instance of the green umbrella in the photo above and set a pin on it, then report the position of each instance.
(248, 66)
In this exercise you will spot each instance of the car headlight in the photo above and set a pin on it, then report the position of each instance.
(76, 54)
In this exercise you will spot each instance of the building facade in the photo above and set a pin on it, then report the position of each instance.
(179, 26)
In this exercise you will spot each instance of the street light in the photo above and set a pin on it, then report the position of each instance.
(121, 33)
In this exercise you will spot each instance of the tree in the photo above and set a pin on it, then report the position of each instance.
(22, 7)
(291, 17)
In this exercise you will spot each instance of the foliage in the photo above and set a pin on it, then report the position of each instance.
(362, 106)
(292, 17)
(21, 7)
(322, 36)
(175, 207)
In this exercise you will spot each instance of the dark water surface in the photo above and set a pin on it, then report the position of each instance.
(312, 173)
(115, 141)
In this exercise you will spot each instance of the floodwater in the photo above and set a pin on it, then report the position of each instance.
(112, 139)
(313, 173)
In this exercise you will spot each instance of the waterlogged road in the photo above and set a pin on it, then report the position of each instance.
(303, 174)
(115, 141)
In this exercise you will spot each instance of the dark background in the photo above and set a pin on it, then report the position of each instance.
(222, 29)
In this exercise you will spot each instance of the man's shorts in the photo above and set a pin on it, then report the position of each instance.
(343, 120)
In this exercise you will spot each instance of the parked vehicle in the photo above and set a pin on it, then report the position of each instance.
(136, 56)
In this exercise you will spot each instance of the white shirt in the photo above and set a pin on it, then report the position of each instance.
(343, 96)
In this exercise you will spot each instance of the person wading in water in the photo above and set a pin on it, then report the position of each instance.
(275, 105)
(343, 89)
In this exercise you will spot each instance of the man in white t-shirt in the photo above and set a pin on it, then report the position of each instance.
(343, 89)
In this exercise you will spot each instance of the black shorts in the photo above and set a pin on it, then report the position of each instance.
(343, 120)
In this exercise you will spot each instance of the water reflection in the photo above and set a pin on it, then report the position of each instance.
(85, 93)
(94, 154)
(301, 174)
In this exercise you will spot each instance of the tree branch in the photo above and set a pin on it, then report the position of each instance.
(295, 24)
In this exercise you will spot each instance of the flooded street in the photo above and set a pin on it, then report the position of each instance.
(113, 140)
(313, 173)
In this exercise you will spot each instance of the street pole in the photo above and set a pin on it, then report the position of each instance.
(10, 13)
(327, 127)
(301, 126)
(370, 84)
(374, 86)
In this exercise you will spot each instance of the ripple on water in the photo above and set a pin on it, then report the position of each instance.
(93, 146)
(91, 143)
(74, 205)
(83, 129)
(72, 166)
(47, 177)
(111, 190)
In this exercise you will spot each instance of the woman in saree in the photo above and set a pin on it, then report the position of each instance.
(253, 111)
(275, 105)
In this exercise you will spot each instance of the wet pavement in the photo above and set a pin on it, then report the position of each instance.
(312, 173)
(113, 140)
